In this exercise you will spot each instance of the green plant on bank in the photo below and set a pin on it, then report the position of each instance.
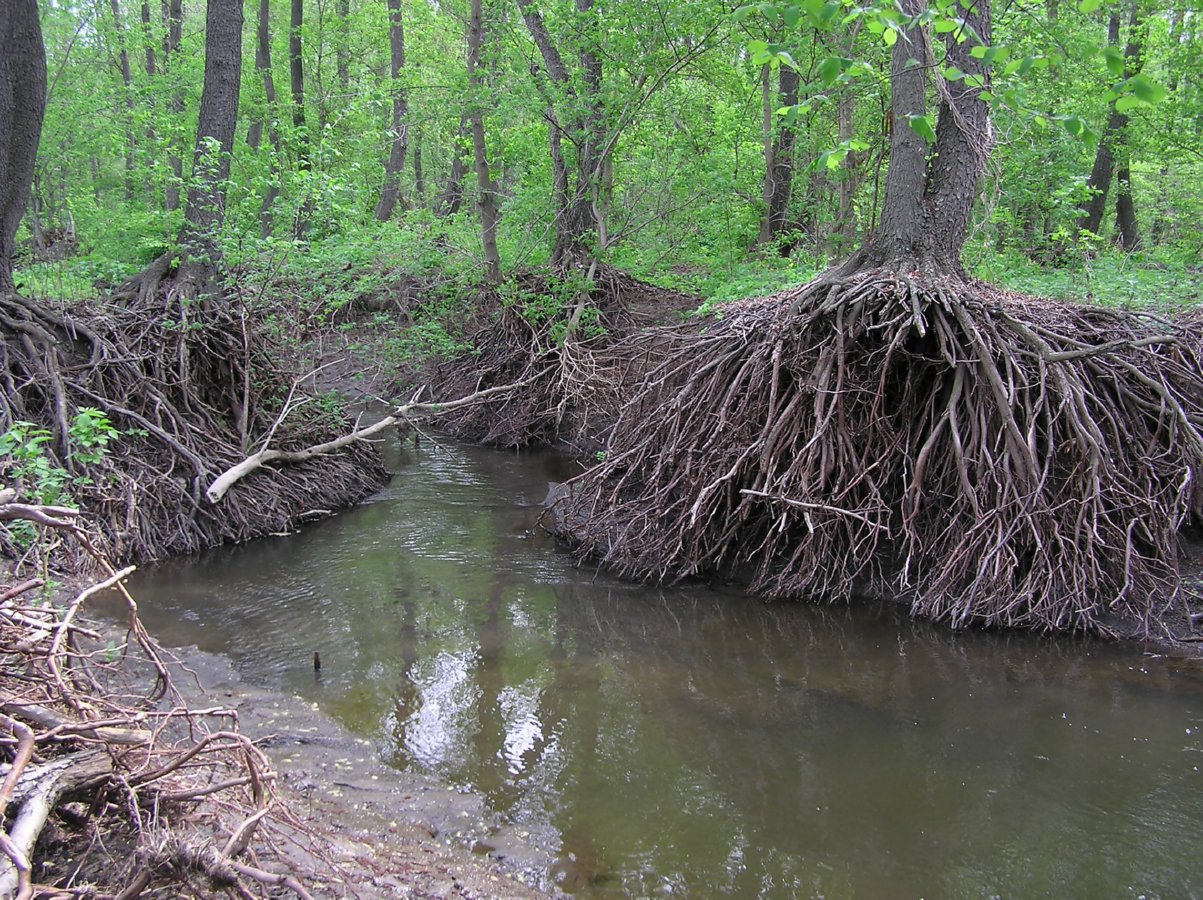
(556, 305)
(25, 456)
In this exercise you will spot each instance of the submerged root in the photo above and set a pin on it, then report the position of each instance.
(992, 459)
(191, 385)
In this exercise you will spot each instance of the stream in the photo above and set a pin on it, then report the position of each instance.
(691, 741)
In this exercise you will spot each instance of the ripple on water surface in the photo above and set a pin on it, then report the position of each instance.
(694, 742)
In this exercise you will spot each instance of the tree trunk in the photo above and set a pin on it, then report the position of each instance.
(263, 63)
(342, 55)
(579, 218)
(452, 197)
(391, 192)
(22, 105)
(488, 190)
(779, 160)
(296, 76)
(1126, 228)
(419, 172)
(925, 217)
(844, 232)
(127, 82)
(173, 17)
(148, 40)
(214, 141)
(1103, 170)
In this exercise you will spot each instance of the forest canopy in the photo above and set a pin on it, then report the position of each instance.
(725, 151)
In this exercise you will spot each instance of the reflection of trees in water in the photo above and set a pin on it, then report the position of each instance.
(725, 740)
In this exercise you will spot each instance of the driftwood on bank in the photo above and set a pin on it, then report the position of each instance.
(106, 724)
(407, 412)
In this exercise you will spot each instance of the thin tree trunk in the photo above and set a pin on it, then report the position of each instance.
(342, 54)
(214, 141)
(452, 197)
(399, 146)
(579, 206)
(296, 73)
(22, 106)
(770, 164)
(1103, 169)
(488, 202)
(1126, 227)
(263, 63)
(419, 172)
(173, 17)
(127, 81)
(148, 39)
(844, 231)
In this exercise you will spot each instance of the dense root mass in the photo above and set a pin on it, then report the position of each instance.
(193, 388)
(572, 354)
(992, 459)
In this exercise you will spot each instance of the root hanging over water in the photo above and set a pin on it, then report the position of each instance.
(193, 384)
(992, 459)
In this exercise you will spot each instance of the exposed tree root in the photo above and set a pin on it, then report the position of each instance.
(993, 459)
(193, 385)
(105, 725)
(573, 352)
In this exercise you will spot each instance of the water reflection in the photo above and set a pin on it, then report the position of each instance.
(695, 742)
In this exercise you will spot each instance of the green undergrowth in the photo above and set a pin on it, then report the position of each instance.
(1157, 281)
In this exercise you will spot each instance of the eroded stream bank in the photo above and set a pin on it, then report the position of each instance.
(649, 741)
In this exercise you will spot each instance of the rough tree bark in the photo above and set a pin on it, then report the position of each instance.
(419, 171)
(1114, 136)
(22, 105)
(484, 181)
(925, 216)
(399, 145)
(214, 142)
(778, 153)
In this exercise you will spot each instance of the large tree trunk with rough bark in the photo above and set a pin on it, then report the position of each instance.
(928, 202)
(779, 154)
(205, 207)
(22, 105)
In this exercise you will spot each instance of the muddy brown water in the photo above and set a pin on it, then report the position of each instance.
(693, 742)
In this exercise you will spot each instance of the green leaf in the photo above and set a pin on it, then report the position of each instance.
(1127, 103)
(831, 68)
(1115, 61)
(921, 125)
(792, 15)
(1088, 6)
(1147, 89)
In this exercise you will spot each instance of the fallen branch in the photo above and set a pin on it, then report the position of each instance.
(231, 476)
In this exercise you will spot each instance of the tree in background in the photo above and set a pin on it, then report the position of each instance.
(22, 105)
